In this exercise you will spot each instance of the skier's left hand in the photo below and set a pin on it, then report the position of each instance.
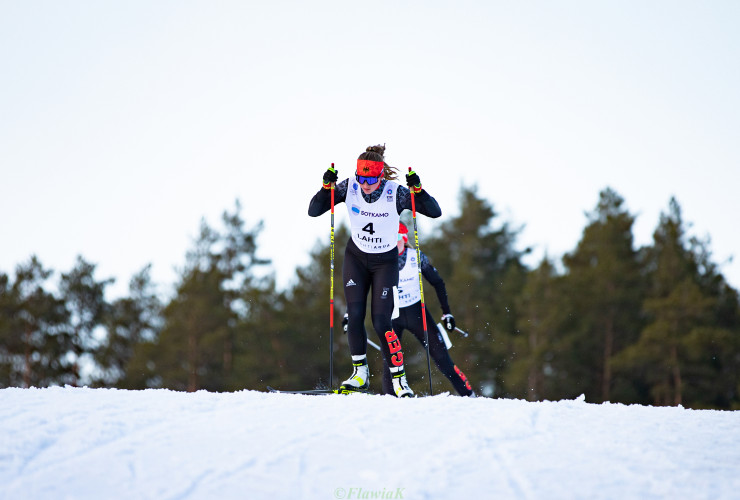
(413, 182)
(345, 322)
(448, 320)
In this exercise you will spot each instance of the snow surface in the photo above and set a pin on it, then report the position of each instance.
(80, 443)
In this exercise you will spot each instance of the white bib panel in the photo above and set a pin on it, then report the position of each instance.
(374, 225)
(409, 291)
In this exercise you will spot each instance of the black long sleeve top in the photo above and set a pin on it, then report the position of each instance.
(425, 203)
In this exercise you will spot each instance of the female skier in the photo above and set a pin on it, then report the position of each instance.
(409, 318)
(374, 203)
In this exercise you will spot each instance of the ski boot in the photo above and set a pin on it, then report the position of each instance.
(400, 386)
(360, 379)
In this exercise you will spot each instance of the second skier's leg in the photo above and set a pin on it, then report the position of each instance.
(385, 277)
(441, 356)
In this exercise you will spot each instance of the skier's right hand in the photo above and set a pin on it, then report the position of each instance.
(448, 320)
(330, 176)
(345, 322)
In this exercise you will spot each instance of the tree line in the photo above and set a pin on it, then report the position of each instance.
(654, 325)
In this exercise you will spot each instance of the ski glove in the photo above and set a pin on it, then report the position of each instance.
(330, 176)
(413, 182)
(448, 320)
(345, 322)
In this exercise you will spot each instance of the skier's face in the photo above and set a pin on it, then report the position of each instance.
(369, 188)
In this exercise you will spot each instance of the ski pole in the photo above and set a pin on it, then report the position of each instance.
(421, 290)
(373, 344)
(464, 334)
(331, 293)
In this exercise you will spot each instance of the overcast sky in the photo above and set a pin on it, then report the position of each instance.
(123, 123)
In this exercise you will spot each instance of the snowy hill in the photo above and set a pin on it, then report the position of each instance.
(83, 443)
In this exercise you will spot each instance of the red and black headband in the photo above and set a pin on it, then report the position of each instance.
(369, 168)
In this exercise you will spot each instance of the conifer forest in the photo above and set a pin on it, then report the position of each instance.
(656, 325)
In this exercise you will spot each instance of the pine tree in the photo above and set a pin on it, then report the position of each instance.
(483, 274)
(85, 301)
(688, 352)
(196, 347)
(7, 350)
(603, 284)
(34, 333)
(540, 317)
(285, 338)
(131, 321)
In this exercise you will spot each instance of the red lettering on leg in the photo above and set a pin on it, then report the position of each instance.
(394, 346)
(463, 378)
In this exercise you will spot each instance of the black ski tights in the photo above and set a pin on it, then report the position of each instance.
(362, 273)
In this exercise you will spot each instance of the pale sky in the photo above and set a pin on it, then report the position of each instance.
(123, 123)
